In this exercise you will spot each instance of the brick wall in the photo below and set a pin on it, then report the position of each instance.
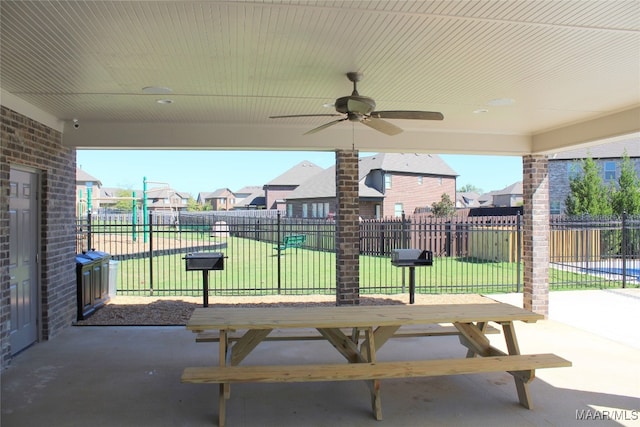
(347, 228)
(31, 144)
(407, 190)
(535, 234)
(277, 192)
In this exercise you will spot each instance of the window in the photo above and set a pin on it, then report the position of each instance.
(305, 210)
(609, 171)
(378, 211)
(440, 180)
(555, 208)
(398, 209)
(326, 209)
(290, 211)
(314, 210)
(419, 180)
(387, 182)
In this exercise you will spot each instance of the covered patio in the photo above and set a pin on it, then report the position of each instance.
(129, 376)
(510, 78)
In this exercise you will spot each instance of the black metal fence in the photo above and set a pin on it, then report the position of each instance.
(472, 255)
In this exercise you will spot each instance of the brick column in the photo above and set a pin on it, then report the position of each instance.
(347, 229)
(536, 233)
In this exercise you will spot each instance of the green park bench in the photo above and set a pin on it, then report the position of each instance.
(292, 241)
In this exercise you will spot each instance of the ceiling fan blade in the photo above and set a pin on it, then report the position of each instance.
(306, 115)
(326, 125)
(412, 115)
(381, 126)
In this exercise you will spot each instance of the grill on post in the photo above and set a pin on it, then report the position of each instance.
(411, 258)
(204, 261)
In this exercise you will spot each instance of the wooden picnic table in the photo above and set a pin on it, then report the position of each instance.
(357, 333)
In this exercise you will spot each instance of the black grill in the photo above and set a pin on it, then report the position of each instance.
(411, 258)
(204, 261)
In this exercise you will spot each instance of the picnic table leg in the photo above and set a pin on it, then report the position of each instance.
(224, 388)
(522, 379)
(374, 385)
(483, 327)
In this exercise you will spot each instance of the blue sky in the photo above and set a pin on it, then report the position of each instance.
(196, 171)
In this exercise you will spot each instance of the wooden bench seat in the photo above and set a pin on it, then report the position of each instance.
(370, 371)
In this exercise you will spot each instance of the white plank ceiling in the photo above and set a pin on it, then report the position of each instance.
(572, 69)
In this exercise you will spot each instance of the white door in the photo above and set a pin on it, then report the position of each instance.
(23, 247)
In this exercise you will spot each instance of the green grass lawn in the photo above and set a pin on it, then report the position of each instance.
(251, 268)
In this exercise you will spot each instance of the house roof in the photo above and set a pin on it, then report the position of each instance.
(204, 195)
(297, 174)
(254, 199)
(220, 192)
(515, 188)
(248, 189)
(426, 164)
(82, 176)
(164, 193)
(611, 150)
(323, 185)
(467, 198)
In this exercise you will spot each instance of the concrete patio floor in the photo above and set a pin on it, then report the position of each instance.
(130, 376)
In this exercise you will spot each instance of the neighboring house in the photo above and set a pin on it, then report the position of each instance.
(467, 199)
(279, 188)
(566, 164)
(164, 198)
(222, 199)
(86, 185)
(509, 196)
(251, 197)
(389, 184)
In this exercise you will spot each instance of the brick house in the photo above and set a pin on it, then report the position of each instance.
(608, 157)
(86, 183)
(509, 196)
(389, 184)
(222, 199)
(160, 199)
(280, 187)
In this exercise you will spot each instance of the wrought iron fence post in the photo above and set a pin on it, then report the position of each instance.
(151, 253)
(624, 249)
(518, 253)
(278, 240)
(89, 243)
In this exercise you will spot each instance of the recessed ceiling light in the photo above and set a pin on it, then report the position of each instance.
(164, 101)
(501, 102)
(156, 90)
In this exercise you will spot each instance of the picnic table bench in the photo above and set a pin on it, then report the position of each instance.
(343, 327)
(292, 241)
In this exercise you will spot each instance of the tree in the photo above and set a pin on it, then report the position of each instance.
(588, 193)
(627, 196)
(444, 208)
(125, 203)
(470, 188)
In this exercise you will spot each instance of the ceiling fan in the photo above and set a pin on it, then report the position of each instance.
(361, 109)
